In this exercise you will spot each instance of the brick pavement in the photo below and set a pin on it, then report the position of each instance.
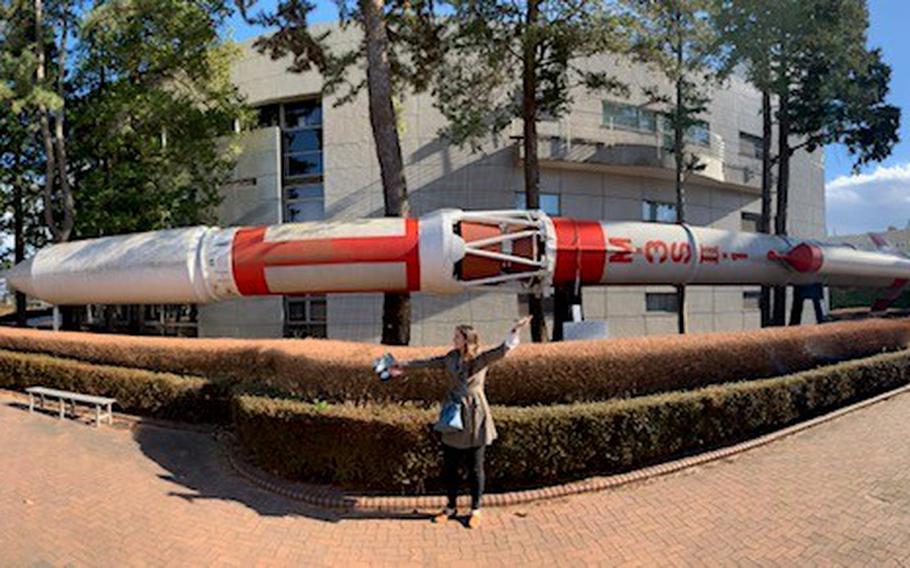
(837, 494)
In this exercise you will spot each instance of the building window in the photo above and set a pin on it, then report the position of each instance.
(269, 115)
(698, 134)
(305, 316)
(304, 202)
(171, 319)
(303, 114)
(751, 300)
(303, 196)
(751, 222)
(658, 211)
(302, 139)
(661, 302)
(750, 145)
(549, 202)
(629, 117)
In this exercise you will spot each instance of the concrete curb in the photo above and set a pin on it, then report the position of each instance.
(332, 498)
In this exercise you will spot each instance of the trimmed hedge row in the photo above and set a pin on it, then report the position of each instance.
(571, 372)
(147, 393)
(392, 448)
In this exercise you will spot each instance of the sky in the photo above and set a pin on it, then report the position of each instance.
(871, 200)
(880, 195)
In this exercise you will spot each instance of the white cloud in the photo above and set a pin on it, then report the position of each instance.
(869, 202)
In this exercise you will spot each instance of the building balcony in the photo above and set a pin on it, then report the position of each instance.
(582, 141)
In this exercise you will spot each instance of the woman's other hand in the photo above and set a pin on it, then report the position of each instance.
(522, 323)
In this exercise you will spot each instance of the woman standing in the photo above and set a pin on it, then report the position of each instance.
(466, 370)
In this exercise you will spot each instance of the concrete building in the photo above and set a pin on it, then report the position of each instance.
(310, 159)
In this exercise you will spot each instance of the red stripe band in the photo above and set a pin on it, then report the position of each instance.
(252, 255)
(580, 251)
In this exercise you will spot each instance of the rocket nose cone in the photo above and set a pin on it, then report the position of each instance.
(19, 277)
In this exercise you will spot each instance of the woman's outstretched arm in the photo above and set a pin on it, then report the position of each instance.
(432, 363)
(490, 356)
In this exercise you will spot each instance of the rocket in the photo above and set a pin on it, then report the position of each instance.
(446, 252)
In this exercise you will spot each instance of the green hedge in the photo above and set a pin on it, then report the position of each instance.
(392, 448)
(147, 393)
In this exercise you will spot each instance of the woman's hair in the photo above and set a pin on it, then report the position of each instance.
(471, 340)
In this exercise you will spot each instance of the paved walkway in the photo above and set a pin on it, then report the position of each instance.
(836, 494)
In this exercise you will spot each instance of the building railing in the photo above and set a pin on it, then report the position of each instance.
(579, 136)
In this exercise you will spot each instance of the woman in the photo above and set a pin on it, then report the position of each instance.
(466, 369)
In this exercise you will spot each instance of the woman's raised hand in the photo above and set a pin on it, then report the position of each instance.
(523, 322)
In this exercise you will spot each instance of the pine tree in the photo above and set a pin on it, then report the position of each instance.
(521, 60)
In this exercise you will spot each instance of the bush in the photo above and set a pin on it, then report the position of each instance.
(337, 371)
(161, 395)
(392, 448)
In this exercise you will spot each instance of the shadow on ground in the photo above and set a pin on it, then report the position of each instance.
(197, 466)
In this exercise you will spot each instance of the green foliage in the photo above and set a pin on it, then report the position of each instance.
(392, 448)
(18, 163)
(863, 298)
(676, 38)
(146, 98)
(814, 54)
(153, 97)
(412, 49)
(484, 74)
(147, 393)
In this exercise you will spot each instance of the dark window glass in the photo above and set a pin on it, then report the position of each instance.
(751, 299)
(296, 310)
(618, 115)
(700, 134)
(751, 222)
(303, 164)
(302, 114)
(306, 191)
(750, 145)
(658, 211)
(661, 302)
(303, 141)
(318, 310)
(301, 331)
(549, 202)
(302, 211)
(268, 115)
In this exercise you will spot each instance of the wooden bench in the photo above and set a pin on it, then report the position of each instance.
(72, 398)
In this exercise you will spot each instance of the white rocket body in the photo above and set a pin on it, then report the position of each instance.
(448, 251)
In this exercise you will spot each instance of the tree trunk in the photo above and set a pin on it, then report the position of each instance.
(61, 232)
(678, 149)
(69, 206)
(531, 163)
(764, 301)
(396, 307)
(783, 181)
(19, 249)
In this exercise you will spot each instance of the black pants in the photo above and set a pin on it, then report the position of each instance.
(452, 459)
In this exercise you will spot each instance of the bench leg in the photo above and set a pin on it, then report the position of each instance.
(42, 402)
(62, 408)
(31, 403)
(110, 414)
(97, 415)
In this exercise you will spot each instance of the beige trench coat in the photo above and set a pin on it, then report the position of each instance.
(465, 382)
